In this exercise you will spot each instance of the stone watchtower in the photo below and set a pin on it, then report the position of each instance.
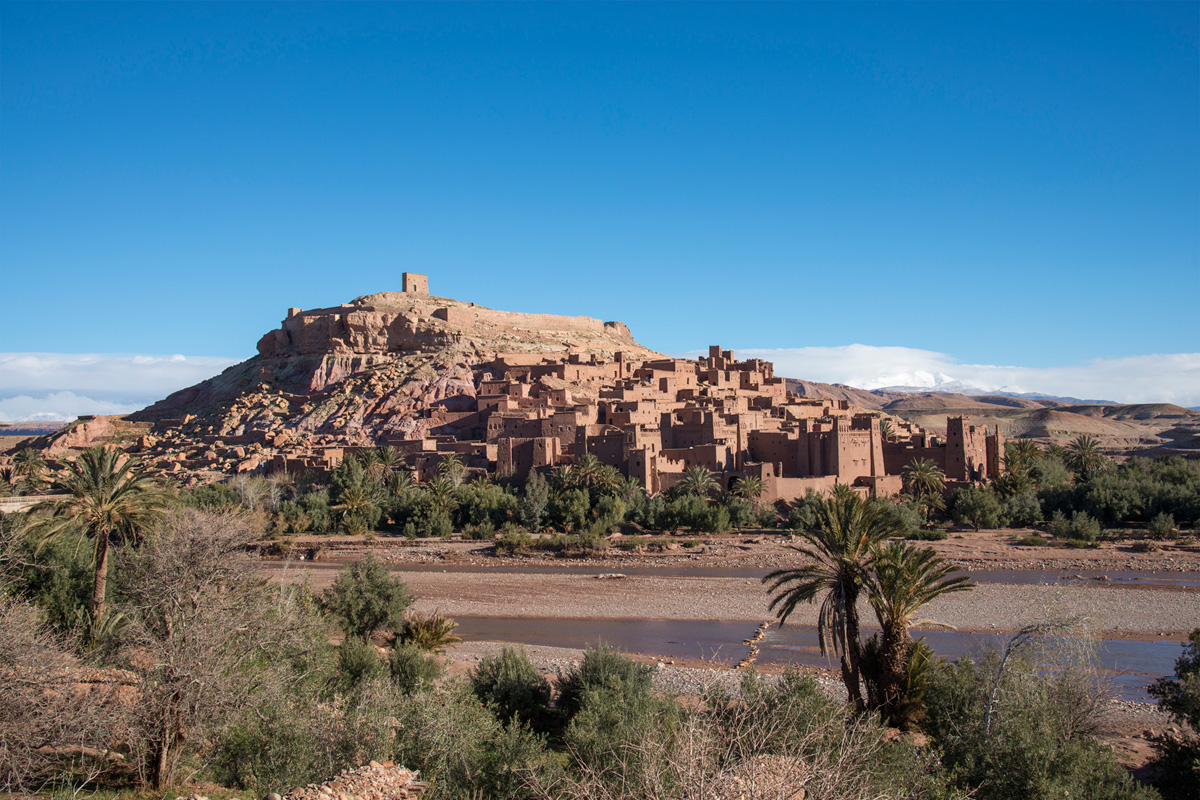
(415, 284)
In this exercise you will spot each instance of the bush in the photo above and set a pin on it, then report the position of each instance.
(1013, 729)
(1179, 757)
(479, 531)
(1079, 527)
(513, 687)
(1145, 546)
(1162, 526)
(1080, 544)
(366, 598)
(460, 747)
(412, 668)
(602, 667)
(1023, 510)
(928, 535)
(1033, 540)
(977, 507)
(514, 541)
(357, 662)
(433, 633)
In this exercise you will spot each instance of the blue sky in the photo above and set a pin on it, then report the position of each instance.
(996, 185)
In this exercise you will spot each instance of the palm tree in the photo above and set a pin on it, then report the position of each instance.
(749, 488)
(389, 458)
(398, 482)
(1024, 450)
(841, 491)
(1084, 455)
(841, 543)
(452, 469)
(29, 464)
(441, 493)
(923, 477)
(609, 479)
(585, 472)
(903, 578)
(10, 482)
(110, 497)
(699, 481)
(356, 503)
(372, 466)
(886, 432)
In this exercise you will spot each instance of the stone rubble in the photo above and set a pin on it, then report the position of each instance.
(372, 781)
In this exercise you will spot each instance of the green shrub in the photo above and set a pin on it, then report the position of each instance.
(1023, 510)
(512, 685)
(357, 662)
(460, 747)
(1080, 544)
(978, 507)
(412, 668)
(58, 578)
(1145, 546)
(1010, 728)
(479, 531)
(366, 597)
(212, 497)
(716, 520)
(928, 535)
(777, 716)
(432, 632)
(1179, 757)
(768, 517)
(513, 541)
(533, 504)
(1080, 526)
(1033, 540)
(1161, 526)
(602, 666)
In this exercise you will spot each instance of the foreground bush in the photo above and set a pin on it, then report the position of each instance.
(769, 741)
(1014, 731)
(513, 687)
(1179, 757)
(603, 668)
(412, 668)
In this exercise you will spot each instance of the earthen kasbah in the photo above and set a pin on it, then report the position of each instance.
(510, 393)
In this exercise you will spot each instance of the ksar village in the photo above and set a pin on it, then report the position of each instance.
(501, 545)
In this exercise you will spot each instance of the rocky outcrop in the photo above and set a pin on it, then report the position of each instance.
(371, 370)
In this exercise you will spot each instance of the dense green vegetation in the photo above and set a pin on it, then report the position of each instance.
(1075, 495)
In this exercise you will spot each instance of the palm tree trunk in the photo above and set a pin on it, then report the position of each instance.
(100, 579)
(893, 664)
(852, 658)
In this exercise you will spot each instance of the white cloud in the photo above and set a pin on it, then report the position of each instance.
(65, 385)
(59, 406)
(1160, 378)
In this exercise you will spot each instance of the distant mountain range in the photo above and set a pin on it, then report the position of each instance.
(958, 387)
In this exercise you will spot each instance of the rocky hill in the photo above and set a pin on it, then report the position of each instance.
(353, 374)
